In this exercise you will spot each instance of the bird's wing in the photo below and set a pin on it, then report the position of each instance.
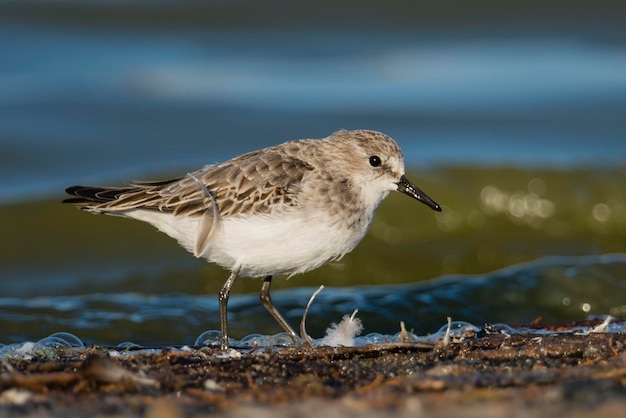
(252, 184)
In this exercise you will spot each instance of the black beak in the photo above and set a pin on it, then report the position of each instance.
(409, 189)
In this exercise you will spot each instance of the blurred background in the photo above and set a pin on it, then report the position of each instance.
(511, 115)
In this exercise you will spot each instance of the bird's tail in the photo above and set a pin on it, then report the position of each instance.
(115, 199)
(98, 199)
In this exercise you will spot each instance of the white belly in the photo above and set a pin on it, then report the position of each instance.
(265, 245)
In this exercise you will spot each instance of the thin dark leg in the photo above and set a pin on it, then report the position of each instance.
(223, 299)
(266, 300)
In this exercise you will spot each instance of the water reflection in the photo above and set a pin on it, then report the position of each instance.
(524, 207)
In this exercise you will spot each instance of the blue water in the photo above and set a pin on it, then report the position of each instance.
(553, 289)
(112, 103)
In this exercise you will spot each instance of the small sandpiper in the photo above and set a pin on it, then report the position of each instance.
(282, 210)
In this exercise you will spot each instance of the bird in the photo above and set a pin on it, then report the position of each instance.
(282, 210)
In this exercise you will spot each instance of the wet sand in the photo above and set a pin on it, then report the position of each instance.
(488, 374)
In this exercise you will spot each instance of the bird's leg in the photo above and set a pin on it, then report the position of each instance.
(223, 300)
(266, 300)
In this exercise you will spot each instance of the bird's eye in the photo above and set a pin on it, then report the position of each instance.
(375, 161)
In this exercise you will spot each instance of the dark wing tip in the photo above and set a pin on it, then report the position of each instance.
(85, 195)
(77, 199)
(74, 201)
(73, 190)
